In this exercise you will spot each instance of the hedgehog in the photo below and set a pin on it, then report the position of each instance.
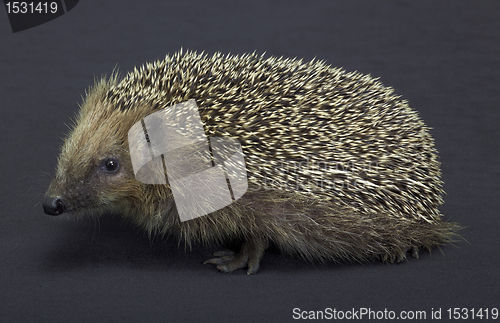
(339, 167)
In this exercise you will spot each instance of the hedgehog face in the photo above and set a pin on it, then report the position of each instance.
(88, 182)
(94, 172)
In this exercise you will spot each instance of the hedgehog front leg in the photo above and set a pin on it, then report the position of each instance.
(250, 254)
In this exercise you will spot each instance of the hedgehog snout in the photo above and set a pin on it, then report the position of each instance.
(53, 205)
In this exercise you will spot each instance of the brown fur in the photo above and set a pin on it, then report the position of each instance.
(346, 129)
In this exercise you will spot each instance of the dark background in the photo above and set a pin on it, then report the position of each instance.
(444, 57)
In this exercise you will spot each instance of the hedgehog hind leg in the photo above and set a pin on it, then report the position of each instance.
(250, 254)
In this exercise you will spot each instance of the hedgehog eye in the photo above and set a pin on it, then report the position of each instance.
(111, 165)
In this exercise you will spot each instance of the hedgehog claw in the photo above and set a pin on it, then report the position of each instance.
(414, 252)
(249, 256)
(399, 258)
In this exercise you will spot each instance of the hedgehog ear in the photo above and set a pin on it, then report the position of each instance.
(98, 94)
(94, 92)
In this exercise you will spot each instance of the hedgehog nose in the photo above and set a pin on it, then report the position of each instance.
(53, 205)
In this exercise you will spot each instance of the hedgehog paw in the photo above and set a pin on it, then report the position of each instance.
(392, 258)
(398, 257)
(249, 256)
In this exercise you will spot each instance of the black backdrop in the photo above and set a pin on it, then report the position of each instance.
(441, 56)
